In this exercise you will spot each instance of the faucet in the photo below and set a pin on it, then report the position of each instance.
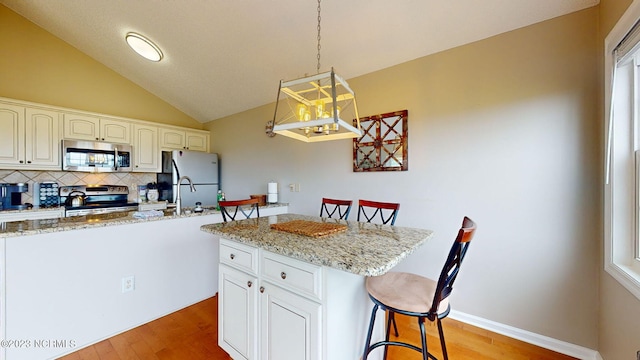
(179, 197)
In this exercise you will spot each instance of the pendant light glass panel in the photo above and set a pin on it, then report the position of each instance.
(316, 108)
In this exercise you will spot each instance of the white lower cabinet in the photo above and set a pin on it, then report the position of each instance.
(273, 307)
(259, 319)
(238, 305)
(289, 325)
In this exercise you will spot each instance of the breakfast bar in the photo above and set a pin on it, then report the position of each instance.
(292, 286)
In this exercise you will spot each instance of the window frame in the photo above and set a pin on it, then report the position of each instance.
(622, 161)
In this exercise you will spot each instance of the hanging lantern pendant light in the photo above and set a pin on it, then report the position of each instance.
(313, 108)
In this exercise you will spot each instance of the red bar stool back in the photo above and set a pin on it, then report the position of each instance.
(331, 206)
(245, 207)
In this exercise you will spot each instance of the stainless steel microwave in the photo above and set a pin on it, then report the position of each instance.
(95, 156)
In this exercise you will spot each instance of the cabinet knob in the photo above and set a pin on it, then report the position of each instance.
(97, 138)
(261, 289)
(249, 283)
(28, 161)
(232, 256)
(283, 275)
(21, 162)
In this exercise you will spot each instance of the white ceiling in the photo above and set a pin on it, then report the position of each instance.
(227, 56)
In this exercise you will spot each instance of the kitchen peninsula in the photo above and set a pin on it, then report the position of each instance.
(78, 280)
(284, 295)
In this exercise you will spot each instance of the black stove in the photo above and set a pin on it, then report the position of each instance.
(98, 199)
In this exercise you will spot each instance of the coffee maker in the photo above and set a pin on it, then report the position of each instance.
(11, 196)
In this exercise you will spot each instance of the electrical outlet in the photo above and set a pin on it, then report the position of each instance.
(298, 187)
(292, 187)
(128, 284)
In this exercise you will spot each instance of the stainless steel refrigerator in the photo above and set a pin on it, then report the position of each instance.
(203, 170)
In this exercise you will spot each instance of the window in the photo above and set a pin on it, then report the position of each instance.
(622, 151)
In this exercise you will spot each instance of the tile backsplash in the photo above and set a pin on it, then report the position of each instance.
(131, 180)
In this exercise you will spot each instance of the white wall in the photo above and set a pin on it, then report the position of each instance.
(505, 131)
(66, 286)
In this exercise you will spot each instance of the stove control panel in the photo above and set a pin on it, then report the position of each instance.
(95, 189)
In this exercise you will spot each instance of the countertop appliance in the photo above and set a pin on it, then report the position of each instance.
(203, 170)
(95, 199)
(95, 156)
(11, 196)
(46, 194)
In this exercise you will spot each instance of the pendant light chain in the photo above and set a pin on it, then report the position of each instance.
(319, 18)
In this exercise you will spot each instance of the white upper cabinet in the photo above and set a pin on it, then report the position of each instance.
(92, 128)
(30, 138)
(181, 139)
(146, 153)
(12, 136)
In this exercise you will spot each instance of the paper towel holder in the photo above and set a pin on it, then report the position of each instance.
(272, 192)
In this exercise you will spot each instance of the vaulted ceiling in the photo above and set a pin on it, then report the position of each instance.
(226, 56)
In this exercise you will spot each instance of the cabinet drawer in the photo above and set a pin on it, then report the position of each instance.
(298, 276)
(239, 256)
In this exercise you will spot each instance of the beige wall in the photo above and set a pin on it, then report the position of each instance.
(619, 316)
(506, 131)
(39, 67)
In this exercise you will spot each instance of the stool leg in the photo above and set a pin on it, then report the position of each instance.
(390, 318)
(393, 319)
(368, 341)
(444, 346)
(423, 336)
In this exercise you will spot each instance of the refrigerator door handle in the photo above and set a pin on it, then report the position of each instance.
(176, 168)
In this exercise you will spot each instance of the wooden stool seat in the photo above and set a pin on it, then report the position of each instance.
(406, 291)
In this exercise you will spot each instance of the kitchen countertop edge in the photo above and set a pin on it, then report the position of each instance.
(42, 226)
(376, 257)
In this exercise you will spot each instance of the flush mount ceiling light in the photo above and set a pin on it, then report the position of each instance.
(144, 47)
(312, 108)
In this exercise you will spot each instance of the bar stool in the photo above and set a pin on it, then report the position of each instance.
(417, 296)
(330, 206)
(238, 206)
(387, 211)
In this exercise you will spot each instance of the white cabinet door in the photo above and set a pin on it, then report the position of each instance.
(197, 141)
(290, 325)
(172, 139)
(116, 131)
(183, 139)
(146, 153)
(93, 128)
(43, 137)
(30, 138)
(12, 136)
(81, 127)
(237, 313)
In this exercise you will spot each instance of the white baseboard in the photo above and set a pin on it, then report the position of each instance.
(562, 347)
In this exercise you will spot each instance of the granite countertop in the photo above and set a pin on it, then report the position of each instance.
(33, 227)
(363, 249)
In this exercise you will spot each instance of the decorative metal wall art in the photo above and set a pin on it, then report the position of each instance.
(383, 144)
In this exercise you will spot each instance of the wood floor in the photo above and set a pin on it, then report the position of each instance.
(191, 334)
